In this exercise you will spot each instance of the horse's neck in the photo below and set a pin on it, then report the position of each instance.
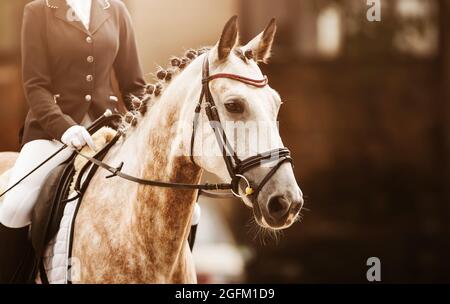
(161, 216)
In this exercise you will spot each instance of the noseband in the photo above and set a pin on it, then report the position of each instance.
(235, 166)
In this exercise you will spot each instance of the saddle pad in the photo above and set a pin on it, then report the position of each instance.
(56, 256)
(59, 269)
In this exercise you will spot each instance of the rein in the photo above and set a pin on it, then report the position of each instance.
(107, 118)
(235, 166)
(117, 171)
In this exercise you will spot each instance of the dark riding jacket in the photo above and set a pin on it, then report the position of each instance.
(67, 69)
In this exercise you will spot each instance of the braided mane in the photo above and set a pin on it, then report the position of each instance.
(140, 106)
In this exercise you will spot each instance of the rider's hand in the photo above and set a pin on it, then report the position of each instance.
(77, 137)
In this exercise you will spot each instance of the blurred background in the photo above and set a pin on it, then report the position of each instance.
(366, 116)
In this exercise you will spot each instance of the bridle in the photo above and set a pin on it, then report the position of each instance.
(236, 167)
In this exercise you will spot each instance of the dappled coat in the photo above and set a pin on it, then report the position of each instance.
(67, 69)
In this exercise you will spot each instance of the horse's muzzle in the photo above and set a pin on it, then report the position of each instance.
(279, 212)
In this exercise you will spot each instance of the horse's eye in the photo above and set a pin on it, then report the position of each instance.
(234, 106)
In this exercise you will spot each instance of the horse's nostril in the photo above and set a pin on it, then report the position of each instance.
(278, 206)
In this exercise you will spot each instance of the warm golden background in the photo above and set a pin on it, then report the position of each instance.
(366, 116)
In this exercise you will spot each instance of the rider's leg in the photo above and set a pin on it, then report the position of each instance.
(17, 206)
(15, 254)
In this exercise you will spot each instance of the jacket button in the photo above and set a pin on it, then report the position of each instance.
(88, 98)
(56, 97)
(90, 59)
(89, 78)
(88, 39)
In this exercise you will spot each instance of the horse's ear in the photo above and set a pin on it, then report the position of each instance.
(228, 40)
(261, 45)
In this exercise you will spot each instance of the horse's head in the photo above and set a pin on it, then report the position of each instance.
(248, 114)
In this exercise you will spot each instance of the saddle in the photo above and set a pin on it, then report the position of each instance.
(52, 200)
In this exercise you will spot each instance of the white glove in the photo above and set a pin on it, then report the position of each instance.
(77, 137)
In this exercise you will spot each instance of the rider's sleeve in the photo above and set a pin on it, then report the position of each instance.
(36, 74)
(127, 66)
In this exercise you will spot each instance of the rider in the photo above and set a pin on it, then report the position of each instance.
(69, 48)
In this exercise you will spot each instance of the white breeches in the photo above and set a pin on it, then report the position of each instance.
(17, 205)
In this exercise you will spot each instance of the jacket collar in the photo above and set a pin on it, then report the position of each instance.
(99, 14)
